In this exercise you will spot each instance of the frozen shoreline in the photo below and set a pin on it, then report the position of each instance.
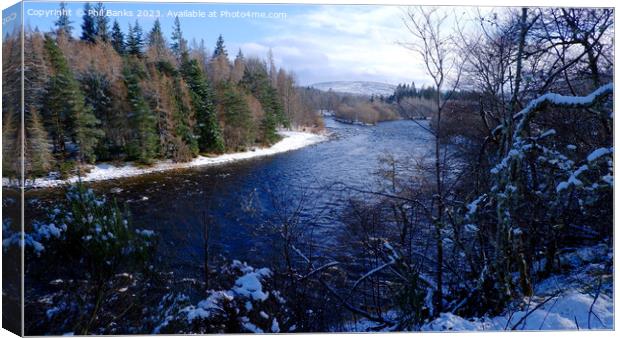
(292, 140)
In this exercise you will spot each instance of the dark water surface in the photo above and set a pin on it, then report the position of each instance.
(234, 200)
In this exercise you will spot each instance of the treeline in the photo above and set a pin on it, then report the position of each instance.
(414, 103)
(366, 111)
(111, 95)
(351, 108)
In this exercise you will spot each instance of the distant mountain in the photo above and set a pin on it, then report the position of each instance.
(357, 87)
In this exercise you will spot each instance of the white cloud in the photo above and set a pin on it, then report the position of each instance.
(343, 43)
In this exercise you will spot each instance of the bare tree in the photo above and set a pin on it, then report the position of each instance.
(443, 64)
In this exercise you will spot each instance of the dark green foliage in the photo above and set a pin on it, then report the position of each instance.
(256, 81)
(63, 24)
(235, 113)
(184, 119)
(89, 31)
(69, 118)
(101, 22)
(143, 106)
(135, 40)
(208, 129)
(179, 44)
(99, 95)
(143, 144)
(101, 234)
(118, 38)
(98, 245)
(220, 49)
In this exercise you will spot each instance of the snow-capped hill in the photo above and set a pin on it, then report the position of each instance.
(357, 87)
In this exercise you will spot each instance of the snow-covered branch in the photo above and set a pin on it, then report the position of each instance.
(560, 101)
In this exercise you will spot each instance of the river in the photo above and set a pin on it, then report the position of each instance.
(236, 200)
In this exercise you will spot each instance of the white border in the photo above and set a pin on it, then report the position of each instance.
(490, 3)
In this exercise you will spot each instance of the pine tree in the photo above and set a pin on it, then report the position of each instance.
(143, 144)
(63, 24)
(98, 95)
(38, 158)
(184, 118)
(256, 80)
(179, 45)
(236, 115)
(117, 38)
(135, 40)
(70, 118)
(207, 125)
(102, 22)
(220, 49)
(89, 31)
(219, 66)
(156, 39)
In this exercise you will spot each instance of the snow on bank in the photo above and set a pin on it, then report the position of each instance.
(292, 140)
(575, 301)
(568, 311)
(578, 299)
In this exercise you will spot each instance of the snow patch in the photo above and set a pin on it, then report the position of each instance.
(249, 285)
(292, 140)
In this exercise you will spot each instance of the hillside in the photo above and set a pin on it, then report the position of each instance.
(357, 87)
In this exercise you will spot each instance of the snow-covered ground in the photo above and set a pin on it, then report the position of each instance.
(578, 300)
(104, 171)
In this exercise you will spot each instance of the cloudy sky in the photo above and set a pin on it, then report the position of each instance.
(317, 42)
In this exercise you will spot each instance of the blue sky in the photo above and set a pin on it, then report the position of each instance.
(317, 42)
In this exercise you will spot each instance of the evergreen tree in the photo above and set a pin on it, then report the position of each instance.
(102, 22)
(236, 115)
(38, 158)
(156, 38)
(184, 119)
(63, 24)
(89, 31)
(98, 95)
(256, 80)
(135, 40)
(143, 144)
(220, 49)
(179, 45)
(208, 129)
(117, 38)
(70, 118)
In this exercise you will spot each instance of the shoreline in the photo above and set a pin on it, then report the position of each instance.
(292, 140)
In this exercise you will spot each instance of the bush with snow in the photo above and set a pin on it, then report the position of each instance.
(101, 253)
(545, 193)
(249, 305)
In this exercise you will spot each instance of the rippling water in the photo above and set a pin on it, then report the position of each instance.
(235, 199)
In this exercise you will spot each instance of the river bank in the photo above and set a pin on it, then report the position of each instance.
(292, 140)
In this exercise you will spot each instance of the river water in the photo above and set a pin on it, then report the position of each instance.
(236, 200)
